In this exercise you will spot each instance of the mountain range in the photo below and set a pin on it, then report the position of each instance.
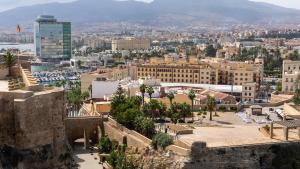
(158, 12)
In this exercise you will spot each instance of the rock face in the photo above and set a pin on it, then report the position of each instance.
(32, 132)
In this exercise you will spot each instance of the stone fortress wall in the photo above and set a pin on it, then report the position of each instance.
(32, 132)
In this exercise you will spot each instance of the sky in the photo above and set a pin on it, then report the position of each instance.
(9, 4)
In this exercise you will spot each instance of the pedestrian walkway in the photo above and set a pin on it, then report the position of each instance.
(86, 159)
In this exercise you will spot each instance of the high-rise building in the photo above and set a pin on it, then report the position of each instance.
(52, 39)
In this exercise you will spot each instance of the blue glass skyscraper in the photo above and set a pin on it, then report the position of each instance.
(52, 39)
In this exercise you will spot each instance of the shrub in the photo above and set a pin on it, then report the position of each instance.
(105, 145)
(267, 128)
(112, 159)
(222, 108)
(125, 140)
(119, 160)
(161, 140)
(233, 108)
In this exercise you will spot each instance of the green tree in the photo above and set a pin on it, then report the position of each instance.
(128, 116)
(210, 51)
(192, 97)
(150, 91)
(151, 109)
(9, 60)
(143, 91)
(279, 86)
(174, 112)
(162, 108)
(185, 110)
(170, 96)
(296, 97)
(210, 105)
(79, 64)
(144, 126)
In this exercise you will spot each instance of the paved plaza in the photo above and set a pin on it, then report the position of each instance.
(230, 130)
(86, 159)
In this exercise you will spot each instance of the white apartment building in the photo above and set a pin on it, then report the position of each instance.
(290, 73)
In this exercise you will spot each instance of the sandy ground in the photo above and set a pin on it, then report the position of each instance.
(86, 159)
(232, 131)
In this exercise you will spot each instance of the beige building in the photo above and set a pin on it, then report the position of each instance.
(117, 73)
(249, 92)
(130, 44)
(290, 73)
(205, 71)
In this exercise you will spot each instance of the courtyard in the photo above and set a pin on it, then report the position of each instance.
(227, 129)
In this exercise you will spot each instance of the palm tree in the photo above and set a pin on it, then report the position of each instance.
(267, 89)
(150, 91)
(210, 104)
(90, 88)
(9, 60)
(297, 82)
(192, 96)
(162, 109)
(143, 91)
(151, 109)
(170, 96)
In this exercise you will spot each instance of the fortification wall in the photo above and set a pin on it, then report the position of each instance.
(31, 125)
(264, 156)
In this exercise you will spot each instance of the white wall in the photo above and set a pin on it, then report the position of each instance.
(104, 88)
(3, 73)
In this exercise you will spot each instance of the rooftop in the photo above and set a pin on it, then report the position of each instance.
(219, 88)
